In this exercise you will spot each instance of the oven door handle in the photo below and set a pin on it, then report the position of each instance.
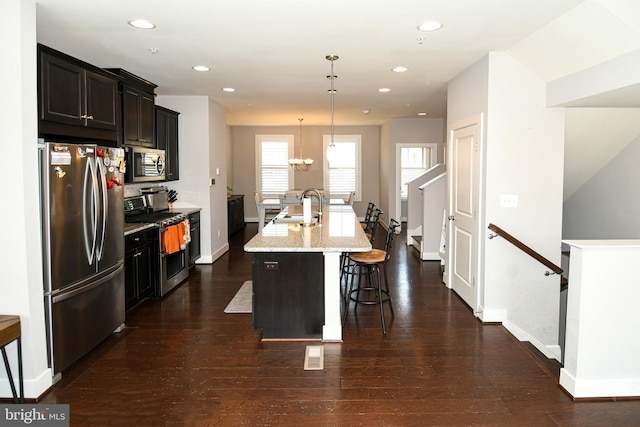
(163, 253)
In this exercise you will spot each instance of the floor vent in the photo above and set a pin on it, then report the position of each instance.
(314, 358)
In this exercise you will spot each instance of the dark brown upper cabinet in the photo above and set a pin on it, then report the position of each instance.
(138, 109)
(167, 139)
(76, 99)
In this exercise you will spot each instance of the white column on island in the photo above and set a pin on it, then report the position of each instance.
(332, 328)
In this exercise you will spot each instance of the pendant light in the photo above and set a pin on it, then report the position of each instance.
(331, 149)
(300, 164)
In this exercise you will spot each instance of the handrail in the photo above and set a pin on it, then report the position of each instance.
(526, 249)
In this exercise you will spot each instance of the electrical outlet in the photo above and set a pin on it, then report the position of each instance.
(219, 233)
(271, 265)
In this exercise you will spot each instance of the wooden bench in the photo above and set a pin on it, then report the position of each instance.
(9, 332)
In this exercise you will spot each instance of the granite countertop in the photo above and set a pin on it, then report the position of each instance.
(339, 231)
(134, 227)
(187, 210)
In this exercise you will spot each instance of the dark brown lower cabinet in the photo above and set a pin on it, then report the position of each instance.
(194, 246)
(141, 252)
(288, 294)
(235, 213)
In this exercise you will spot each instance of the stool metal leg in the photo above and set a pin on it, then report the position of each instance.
(16, 399)
(20, 374)
(386, 285)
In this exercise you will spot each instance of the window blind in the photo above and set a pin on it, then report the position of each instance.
(274, 167)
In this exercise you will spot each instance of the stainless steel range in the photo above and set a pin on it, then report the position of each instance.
(152, 207)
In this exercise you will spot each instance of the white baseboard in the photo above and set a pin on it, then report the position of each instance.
(431, 256)
(550, 351)
(33, 387)
(492, 316)
(209, 259)
(606, 387)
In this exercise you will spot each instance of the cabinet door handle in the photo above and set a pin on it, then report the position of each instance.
(84, 116)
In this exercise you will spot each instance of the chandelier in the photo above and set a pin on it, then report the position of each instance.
(300, 164)
(331, 149)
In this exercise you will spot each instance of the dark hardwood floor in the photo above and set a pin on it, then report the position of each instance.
(182, 361)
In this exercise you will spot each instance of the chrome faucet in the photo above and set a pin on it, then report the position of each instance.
(318, 195)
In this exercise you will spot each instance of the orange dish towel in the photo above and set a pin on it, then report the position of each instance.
(170, 239)
(185, 233)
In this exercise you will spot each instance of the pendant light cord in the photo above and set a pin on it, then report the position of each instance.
(300, 120)
(332, 77)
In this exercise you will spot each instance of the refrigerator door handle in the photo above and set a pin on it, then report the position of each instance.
(88, 219)
(70, 294)
(95, 207)
(101, 177)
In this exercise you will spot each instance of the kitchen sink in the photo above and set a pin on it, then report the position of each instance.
(295, 219)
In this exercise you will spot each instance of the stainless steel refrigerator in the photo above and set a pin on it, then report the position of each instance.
(82, 198)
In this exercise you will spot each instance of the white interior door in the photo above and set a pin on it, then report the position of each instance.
(465, 150)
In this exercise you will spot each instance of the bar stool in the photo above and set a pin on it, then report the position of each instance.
(370, 232)
(372, 226)
(9, 332)
(367, 216)
(369, 264)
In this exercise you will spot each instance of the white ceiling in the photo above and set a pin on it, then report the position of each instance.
(273, 54)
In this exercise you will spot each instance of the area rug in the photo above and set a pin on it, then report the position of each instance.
(242, 302)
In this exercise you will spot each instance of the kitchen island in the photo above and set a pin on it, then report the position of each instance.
(296, 272)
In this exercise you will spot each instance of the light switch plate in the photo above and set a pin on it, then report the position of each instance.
(508, 200)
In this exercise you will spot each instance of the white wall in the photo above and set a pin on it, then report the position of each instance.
(523, 156)
(409, 131)
(21, 252)
(386, 170)
(244, 158)
(607, 206)
(602, 349)
(202, 150)
(218, 133)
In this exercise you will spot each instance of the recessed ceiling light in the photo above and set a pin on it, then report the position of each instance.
(228, 89)
(422, 114)
(399, 69)
(384, 89)
(366, 111)
(430, 26)
(142, 23)
(200, 68)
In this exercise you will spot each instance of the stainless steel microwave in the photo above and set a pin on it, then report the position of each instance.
(144, 164)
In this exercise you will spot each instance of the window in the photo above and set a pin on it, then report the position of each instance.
(343, 175)
(273, 174)
(414, 161)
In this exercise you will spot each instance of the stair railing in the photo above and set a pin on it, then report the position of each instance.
(526, 249)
